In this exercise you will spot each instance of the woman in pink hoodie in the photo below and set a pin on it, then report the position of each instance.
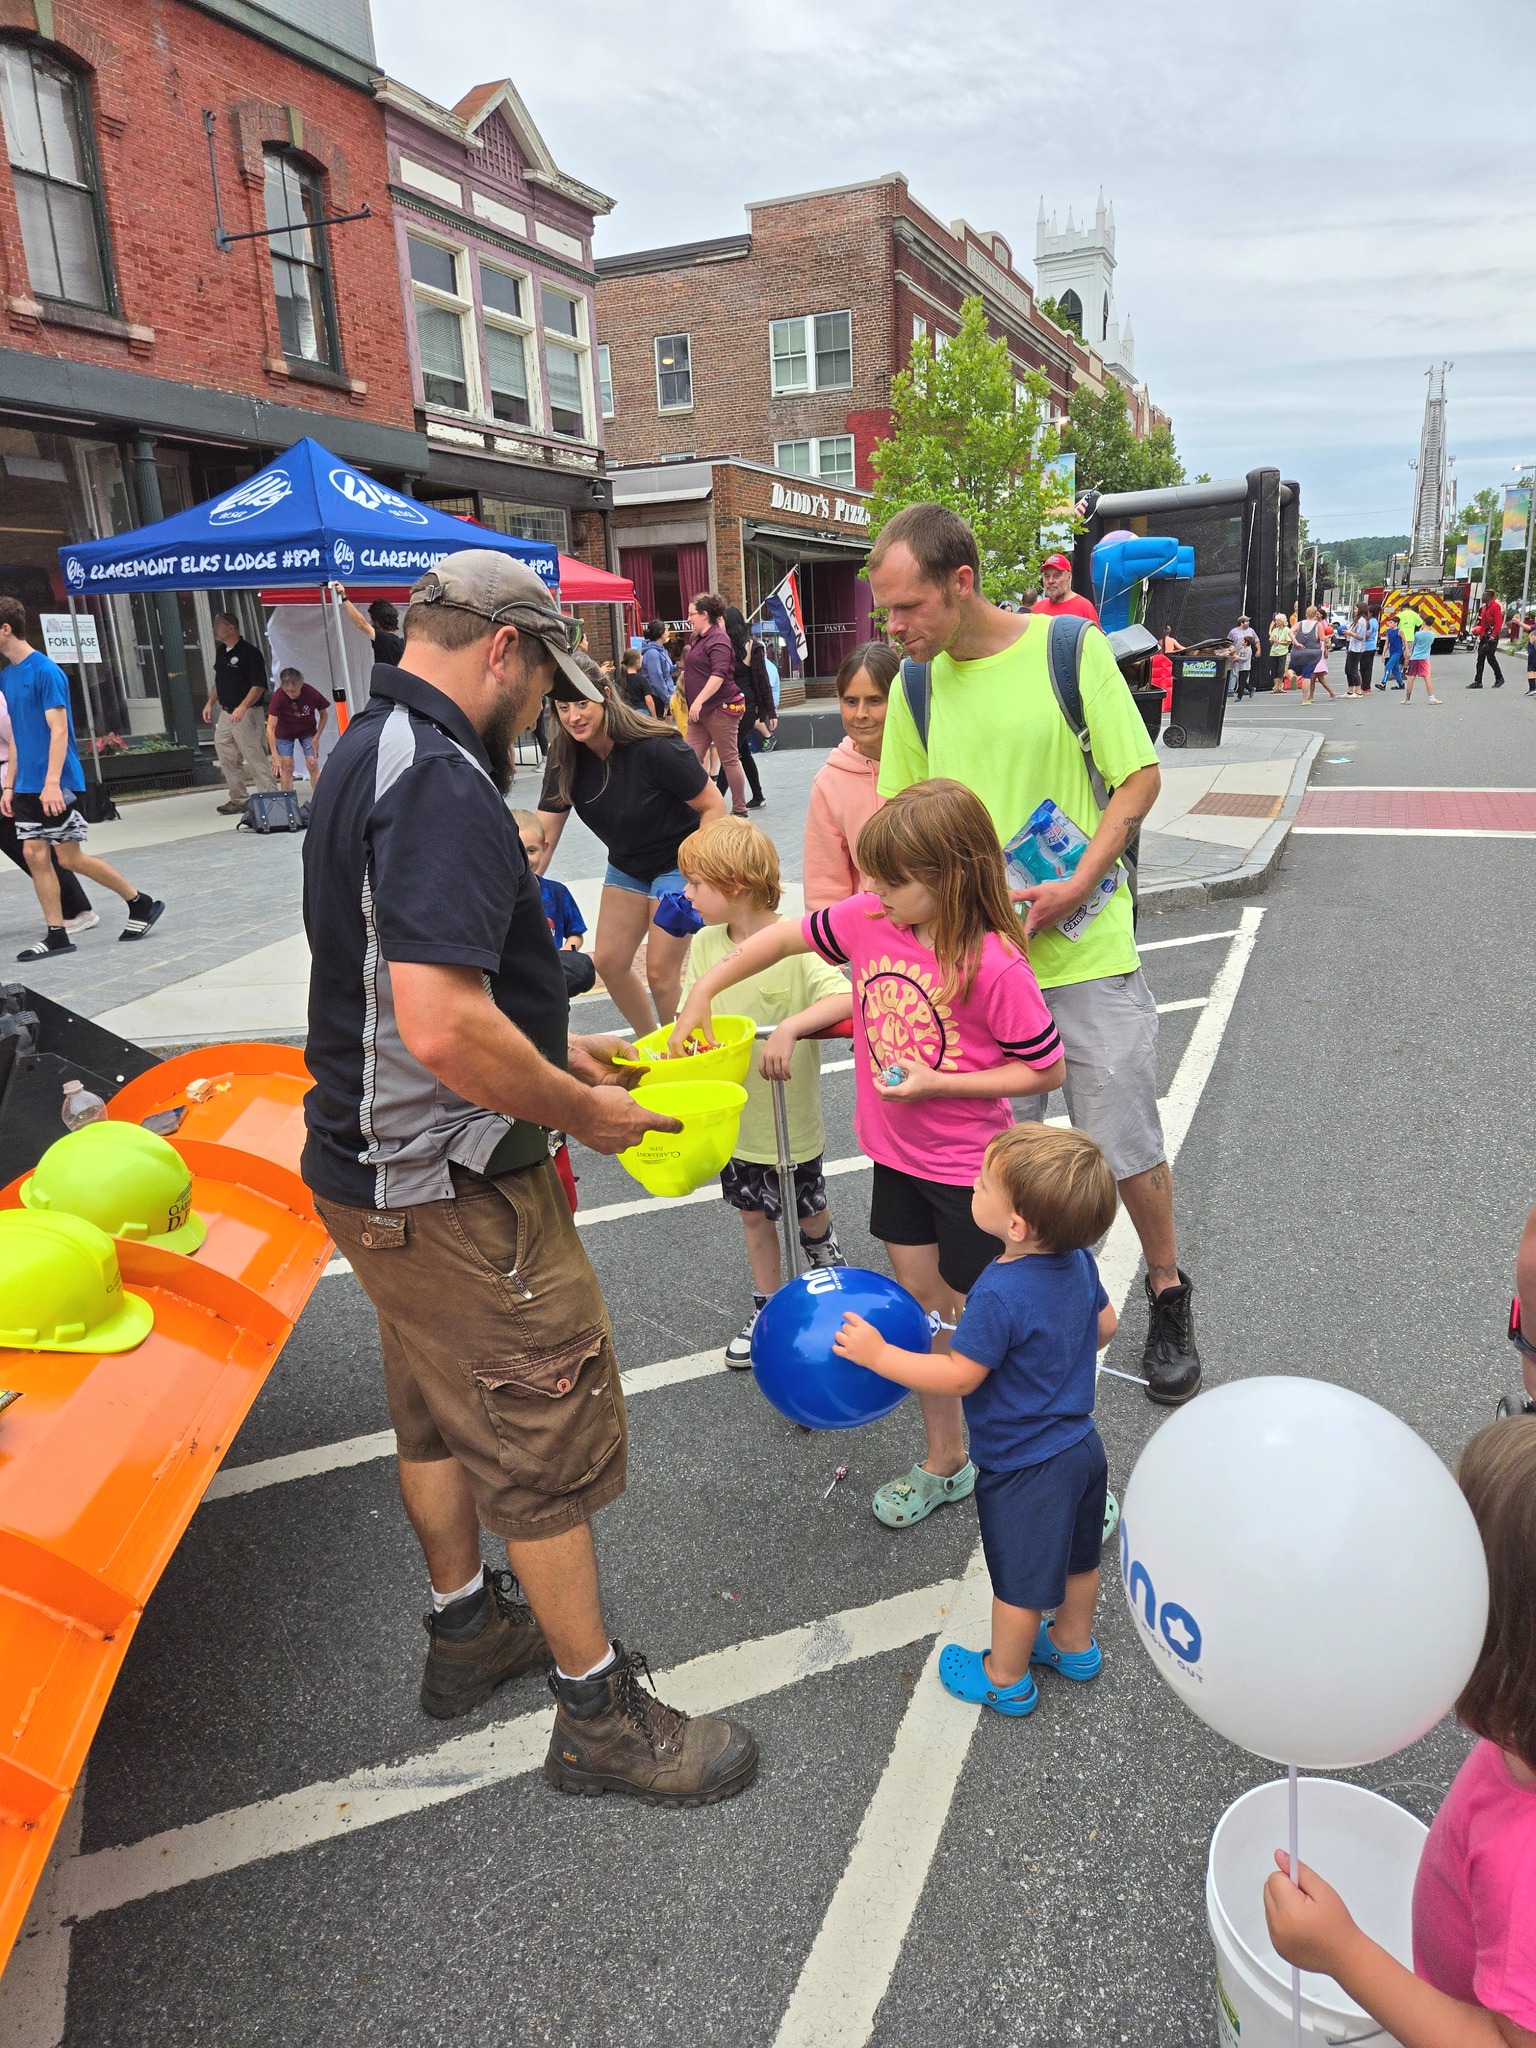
(844, 796)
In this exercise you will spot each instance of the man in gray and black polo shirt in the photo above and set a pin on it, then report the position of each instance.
(439, 1046)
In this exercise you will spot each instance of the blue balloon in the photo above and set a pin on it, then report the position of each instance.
(792, 1356)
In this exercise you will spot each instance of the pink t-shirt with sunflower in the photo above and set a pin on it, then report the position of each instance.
(902, 1022)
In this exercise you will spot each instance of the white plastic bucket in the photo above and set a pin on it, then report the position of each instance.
(1368, 1850)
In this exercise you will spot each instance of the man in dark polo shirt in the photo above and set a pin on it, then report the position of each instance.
(234, 710)
(439, 1047)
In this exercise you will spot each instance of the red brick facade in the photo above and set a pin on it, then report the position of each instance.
(183, 310)
(870, 250)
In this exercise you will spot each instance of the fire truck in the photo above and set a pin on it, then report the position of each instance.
(1444, 607)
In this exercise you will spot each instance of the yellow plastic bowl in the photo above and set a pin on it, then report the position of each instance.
(677, 1162)
(728, 1059)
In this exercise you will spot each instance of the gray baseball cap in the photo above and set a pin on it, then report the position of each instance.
(506, 592)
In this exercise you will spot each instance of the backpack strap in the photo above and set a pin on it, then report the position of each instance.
(916, 680)
(1064, 659)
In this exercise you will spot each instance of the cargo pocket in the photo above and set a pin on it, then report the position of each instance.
(556, 1416)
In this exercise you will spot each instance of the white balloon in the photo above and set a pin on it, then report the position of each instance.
(1303, 1570)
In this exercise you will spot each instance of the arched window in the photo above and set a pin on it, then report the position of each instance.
(53, 167)
(1104, 330)
(301, 267)
(1072, 310)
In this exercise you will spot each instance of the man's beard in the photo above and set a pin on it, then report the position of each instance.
(513, 714)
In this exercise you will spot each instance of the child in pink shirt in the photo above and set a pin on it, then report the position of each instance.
(949, 1022)
(1473, 1982)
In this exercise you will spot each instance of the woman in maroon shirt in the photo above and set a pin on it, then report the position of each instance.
(715, 704)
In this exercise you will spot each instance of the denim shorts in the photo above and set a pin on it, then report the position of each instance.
(305, 744)
(672, 883)
(1044, 1524)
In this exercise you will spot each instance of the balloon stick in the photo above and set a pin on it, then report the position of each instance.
(1296, 1880)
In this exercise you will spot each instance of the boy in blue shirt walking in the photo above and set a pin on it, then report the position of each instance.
(42, 780)
(1024, 1356)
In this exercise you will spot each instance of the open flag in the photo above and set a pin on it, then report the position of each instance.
(783, 608)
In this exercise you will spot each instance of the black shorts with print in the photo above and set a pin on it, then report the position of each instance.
(747, 1185)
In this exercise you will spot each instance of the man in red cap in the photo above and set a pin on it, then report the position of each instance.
(1058, 594)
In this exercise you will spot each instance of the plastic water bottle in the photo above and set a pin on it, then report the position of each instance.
(81, 1106)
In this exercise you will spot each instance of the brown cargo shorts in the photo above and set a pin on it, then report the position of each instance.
(497, 1348)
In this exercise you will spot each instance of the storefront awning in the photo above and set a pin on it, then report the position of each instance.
(811, 546)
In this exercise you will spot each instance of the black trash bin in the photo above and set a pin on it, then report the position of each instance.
(1199, 700)
(1149, 703)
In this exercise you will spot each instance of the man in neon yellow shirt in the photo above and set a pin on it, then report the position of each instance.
(995, 725)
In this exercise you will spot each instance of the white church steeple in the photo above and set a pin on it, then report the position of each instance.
(1077, 268)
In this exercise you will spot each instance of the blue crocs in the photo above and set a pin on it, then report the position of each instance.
(965, 1675)
(1078, 1664)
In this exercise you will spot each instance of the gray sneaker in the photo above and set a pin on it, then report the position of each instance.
(738, 1353)
(823, 1251)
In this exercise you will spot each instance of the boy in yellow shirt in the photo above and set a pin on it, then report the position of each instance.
(733, 883)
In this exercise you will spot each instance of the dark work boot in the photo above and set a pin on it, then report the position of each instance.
(612, 1734)
(477, 1644)
(1169, 1359)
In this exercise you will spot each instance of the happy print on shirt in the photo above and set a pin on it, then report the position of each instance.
(904, 1021)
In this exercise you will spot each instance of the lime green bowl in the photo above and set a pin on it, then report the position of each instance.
(728, 1059)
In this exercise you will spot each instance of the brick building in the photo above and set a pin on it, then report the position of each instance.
(779, 344)
(143, 366)
(494, 245)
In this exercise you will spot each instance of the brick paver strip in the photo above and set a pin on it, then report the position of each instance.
(1231, 803)
(1421, 810)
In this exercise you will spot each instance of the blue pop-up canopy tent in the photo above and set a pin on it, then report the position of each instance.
(306, 518)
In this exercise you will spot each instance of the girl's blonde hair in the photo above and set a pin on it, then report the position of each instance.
(734, 856)
(1497, 1473)
(938, 833)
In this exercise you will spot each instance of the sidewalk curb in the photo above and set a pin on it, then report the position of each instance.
(1257, 872)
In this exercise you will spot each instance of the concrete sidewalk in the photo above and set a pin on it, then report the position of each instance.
(229, 959)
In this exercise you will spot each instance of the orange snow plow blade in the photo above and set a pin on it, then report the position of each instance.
(105, 1457)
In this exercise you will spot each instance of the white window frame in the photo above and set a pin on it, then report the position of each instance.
(814, 443)
(493, 316)
(919, 327)
(656, 342)
(806, 322)
(605, 380)
(578, 345)
(460, 303)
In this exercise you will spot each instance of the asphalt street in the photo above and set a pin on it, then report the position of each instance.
(277, 1848)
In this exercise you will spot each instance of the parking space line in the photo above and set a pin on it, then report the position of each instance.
(856, 1950)
(715, 1683)
(1194, 939)
(1187, 1003)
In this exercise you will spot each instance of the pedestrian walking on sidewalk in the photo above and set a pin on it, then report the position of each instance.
(74, 904)
(1490, 623)
(994, 723)
(715, 704)
(42, 778)
(236, 711)
(758, 717)
(439, 1044)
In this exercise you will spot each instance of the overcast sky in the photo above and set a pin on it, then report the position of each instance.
(1313, 201)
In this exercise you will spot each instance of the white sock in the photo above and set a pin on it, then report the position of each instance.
(442, 1600)
(575, 1677)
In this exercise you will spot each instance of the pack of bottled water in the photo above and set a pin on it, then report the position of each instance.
(1047, 848)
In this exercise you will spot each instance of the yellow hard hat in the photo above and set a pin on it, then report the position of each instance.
(124, 1179)
(60, 1288)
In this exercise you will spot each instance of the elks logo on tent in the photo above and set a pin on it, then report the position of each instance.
(74, 574)
(371, 497)
(342, 556)
(257, 494)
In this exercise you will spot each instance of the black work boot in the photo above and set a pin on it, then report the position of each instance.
(478, 1643)
(1169, 1360)
(612, 1734)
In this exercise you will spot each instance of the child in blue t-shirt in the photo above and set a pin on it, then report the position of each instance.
(1024, 1356)
(566, 923)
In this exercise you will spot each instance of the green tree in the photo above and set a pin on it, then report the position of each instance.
(965, 432)
(1109, 455)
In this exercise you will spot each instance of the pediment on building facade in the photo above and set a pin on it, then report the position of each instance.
(500, 103)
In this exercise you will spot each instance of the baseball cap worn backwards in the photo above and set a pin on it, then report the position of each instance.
(506, 592)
